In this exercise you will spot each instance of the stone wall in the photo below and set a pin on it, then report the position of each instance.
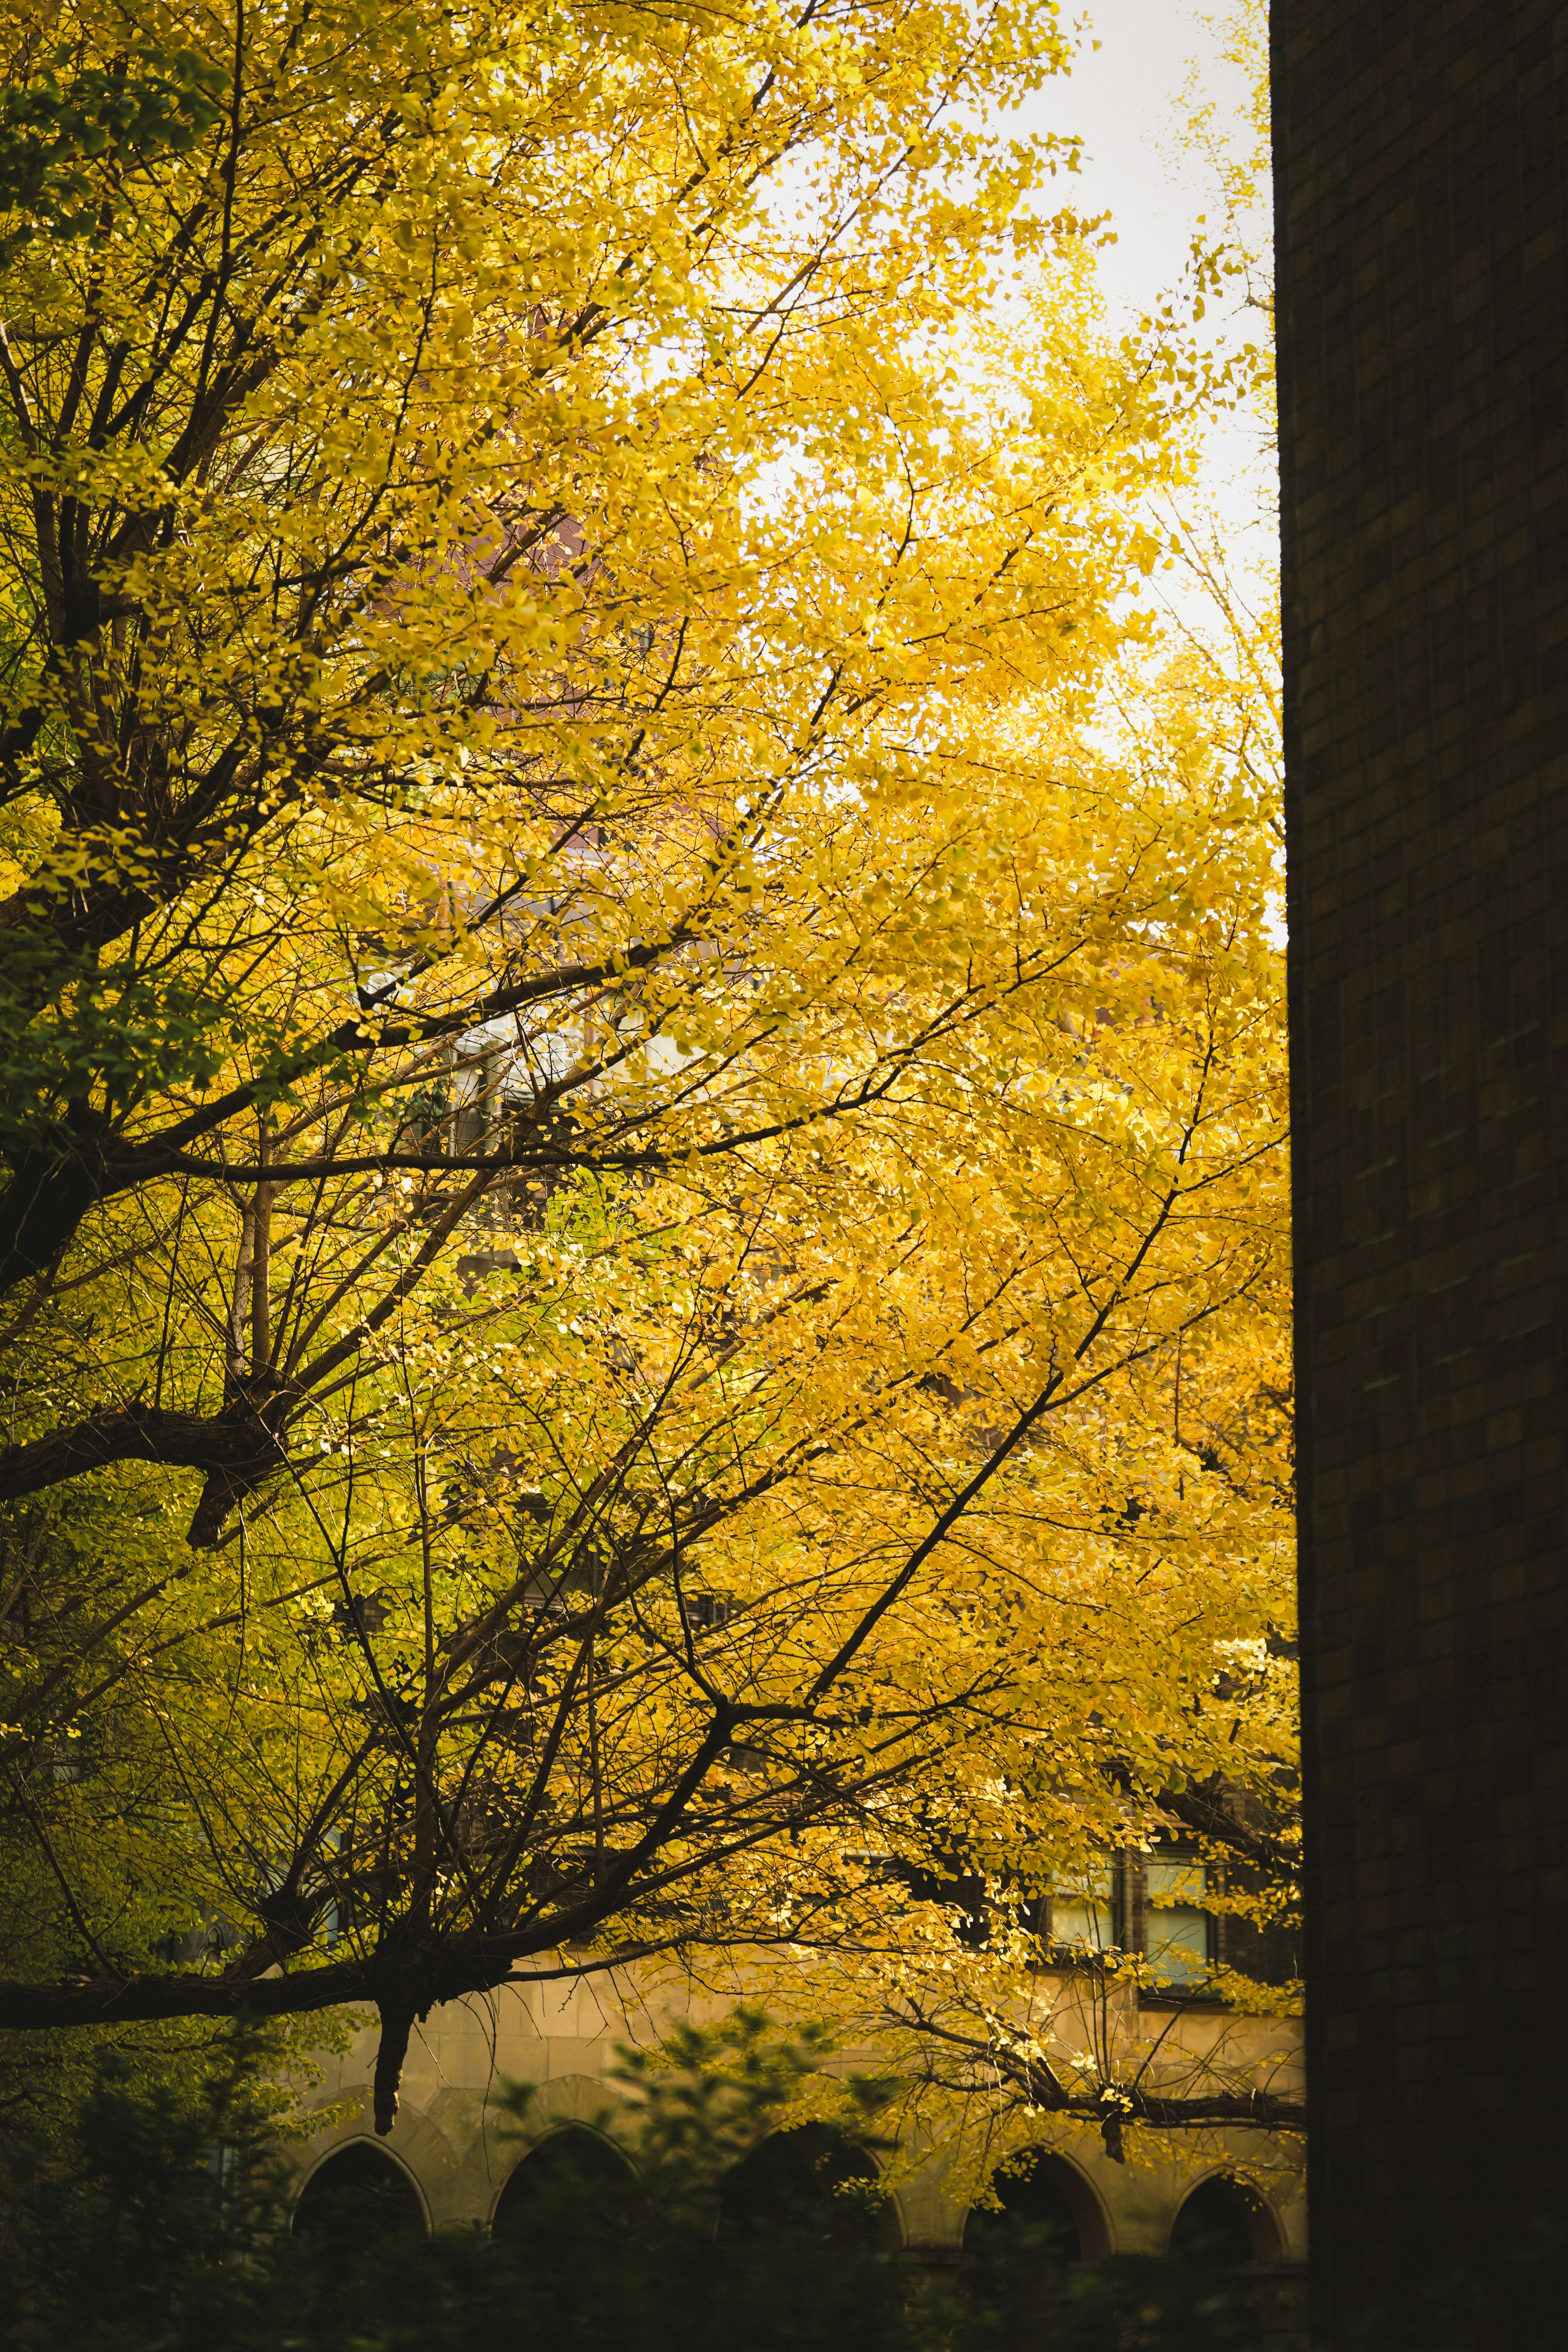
(1423, 233)
(455, 2139)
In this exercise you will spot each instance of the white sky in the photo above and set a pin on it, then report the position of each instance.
(1122, 100)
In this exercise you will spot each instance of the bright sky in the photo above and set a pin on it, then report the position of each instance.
(1121, 99)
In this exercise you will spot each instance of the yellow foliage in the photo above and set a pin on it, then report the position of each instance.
(643, 1071)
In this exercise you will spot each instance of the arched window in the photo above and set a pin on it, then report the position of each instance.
(1225, 2222)
(1017, 2255)
(573, 2168)
(1035, 2205)
(358, 2195)
(812, 2180)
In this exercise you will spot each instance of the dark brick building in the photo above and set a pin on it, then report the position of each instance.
(1423, 237)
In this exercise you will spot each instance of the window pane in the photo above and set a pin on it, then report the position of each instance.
(1178, 1929)
(1082, 1912)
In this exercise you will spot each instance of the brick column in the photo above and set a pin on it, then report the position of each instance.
(1423, 234)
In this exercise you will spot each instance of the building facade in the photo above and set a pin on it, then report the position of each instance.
(459, 2146)
(1423, 249)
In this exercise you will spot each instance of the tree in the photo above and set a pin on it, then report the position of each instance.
(988, 2044)
(387, 470)
(605, 1072)
(1175, 1516)
(129, 110)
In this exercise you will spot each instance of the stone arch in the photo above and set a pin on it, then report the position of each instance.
(557, 2104)
(359, 2192)
(1228, 2220)
(422, 2142)
(573, 2156)
(789, 2180)
(1046, 2190)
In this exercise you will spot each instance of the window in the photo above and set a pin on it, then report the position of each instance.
(335, 1917)
(1016, 2259)
(1082, 1910)
(358, 2196)
(569, 2168)
(706, 1611)
(811, 2179)
(1036, 2217)
(1178, 1927)
(1222, 2222)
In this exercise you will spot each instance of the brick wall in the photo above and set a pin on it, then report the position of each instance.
(1423, 230)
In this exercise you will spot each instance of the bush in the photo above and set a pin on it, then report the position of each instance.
(157, 2223)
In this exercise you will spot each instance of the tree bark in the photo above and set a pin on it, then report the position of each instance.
(237, 1449)
(396, 2025)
